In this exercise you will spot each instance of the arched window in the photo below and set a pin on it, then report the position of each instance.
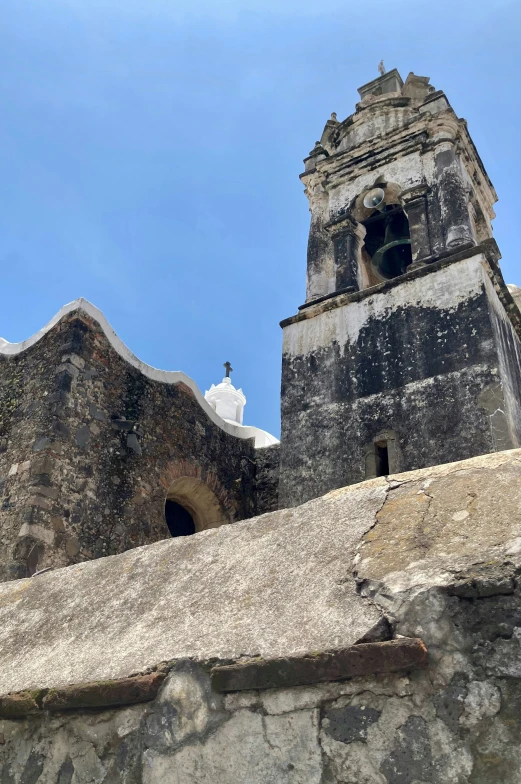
(191, 506)
(178, 519)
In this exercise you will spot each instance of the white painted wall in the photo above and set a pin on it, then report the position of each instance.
(444, 289)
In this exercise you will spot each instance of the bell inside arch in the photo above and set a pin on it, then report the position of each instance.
(391, 244)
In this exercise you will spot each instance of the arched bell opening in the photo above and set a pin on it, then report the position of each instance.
(191, 506)
(386, 252)
(388, 242)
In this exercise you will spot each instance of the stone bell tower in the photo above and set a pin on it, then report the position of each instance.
(407, 350)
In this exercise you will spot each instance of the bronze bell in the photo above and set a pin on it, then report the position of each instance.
(394, 256)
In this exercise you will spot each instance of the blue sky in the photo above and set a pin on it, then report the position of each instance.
(151, 153)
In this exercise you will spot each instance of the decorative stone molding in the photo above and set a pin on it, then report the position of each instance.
(414, 202)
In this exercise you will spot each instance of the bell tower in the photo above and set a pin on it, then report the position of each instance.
(407, 351)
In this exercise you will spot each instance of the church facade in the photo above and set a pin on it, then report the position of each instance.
(406, 354)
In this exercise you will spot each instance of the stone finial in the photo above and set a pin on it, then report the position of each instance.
(334, 117)
(318, 151)
(381, 68)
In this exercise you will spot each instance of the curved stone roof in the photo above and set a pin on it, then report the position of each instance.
(164, 376)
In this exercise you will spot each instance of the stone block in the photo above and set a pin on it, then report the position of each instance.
(133, 443)
(185, 708)
(358, 660)
(247, 749)
(15, 706)
(82, 436)
(37, 532)
(126, 691)
(47, 492)
(97, 413)
(42, 465)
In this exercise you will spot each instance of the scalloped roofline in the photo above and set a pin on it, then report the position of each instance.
(262, 438)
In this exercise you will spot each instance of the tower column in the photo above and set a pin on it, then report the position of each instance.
(452, 196)
(320, 263)
(414, 202)
(347, 236)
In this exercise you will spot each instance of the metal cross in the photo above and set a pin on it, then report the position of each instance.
(229, 369)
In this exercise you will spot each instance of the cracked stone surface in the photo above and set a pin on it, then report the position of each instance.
(439, 522)
(316, 577)
(277, 585)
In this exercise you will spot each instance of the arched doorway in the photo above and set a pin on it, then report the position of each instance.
(191, 506)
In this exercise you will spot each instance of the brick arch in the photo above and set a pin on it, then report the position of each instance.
(200, 492)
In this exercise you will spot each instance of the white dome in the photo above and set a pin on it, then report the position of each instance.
(227, 401)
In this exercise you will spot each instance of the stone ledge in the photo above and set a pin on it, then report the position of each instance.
(488, 249)
(364, 659)
(16, 706)
(100, 694)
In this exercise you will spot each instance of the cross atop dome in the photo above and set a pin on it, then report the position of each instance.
(225, 400)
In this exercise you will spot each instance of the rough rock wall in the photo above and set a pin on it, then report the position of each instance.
(417, 359)
(89, 447)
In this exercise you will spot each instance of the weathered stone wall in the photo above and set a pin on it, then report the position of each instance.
(89, 446)
(409, 138)
(457, 723)
(434, 554)
(508, 347)
(267, 478)
(416, 357)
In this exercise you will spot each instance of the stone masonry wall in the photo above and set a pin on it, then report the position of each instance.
(267, 479)
(458, 722)
(89, 447)
(507, 418)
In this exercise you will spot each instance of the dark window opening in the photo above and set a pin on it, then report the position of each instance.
(388, 241)
(382, 458)
(178, 519)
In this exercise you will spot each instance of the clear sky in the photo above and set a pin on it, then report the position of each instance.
(151, 152)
